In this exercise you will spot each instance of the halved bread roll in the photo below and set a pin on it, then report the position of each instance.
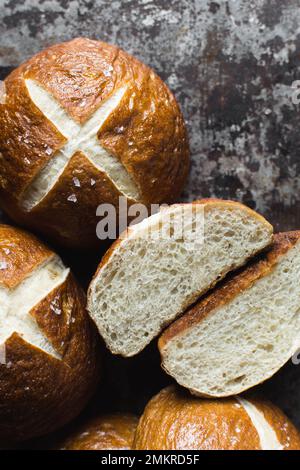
(108, 432)
(244, 331)
(49, 361)
(174, 420)
(168, 261)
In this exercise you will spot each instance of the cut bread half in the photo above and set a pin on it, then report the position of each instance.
(162, 265)
(244, 331)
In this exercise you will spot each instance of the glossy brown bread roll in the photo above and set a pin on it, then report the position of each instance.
(83, 123)
(107, 432)
(49, 359)
(244, 331)
(174, 420)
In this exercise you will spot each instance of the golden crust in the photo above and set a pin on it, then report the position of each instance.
(50, 214)
(108, 432)
(148, 118)
(229, 289)
(20, 253)
(174, 420)
(38, 392)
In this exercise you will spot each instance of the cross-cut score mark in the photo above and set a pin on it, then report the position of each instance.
(267, 435)
(80, 137)
(16, 304)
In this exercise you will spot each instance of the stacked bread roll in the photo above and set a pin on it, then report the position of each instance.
(177, 421)
(83, 124)
(104, 432)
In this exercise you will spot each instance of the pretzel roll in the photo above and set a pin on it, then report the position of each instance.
(108, 432)
(48, 345)
(84, 123)
(174, 420)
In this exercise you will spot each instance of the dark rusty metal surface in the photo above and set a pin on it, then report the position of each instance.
(231, 65)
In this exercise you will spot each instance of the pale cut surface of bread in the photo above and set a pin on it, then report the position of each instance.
(16, 303)
(175, 420)
(80, 137)
(243, 332)
(165, 273)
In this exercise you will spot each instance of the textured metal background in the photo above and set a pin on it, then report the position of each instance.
(231, 65)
